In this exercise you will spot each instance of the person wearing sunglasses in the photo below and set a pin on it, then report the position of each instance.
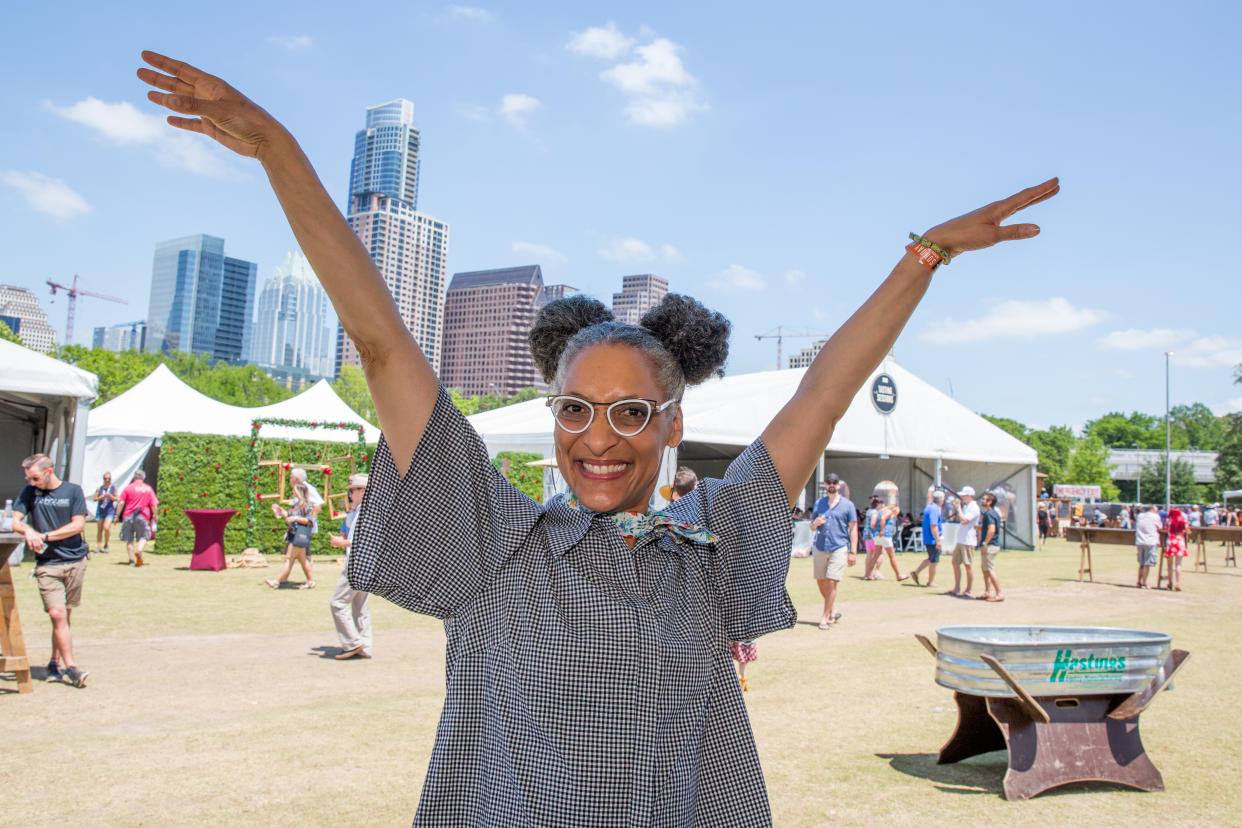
(588, 673)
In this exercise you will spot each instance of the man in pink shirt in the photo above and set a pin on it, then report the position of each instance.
(137, 511)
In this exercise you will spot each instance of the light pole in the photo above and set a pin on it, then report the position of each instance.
(1168, 469)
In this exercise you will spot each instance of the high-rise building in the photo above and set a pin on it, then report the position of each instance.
(19, 304)
(551, 293)
(487, 320)
(128, 336)
(639, 294)
(409, 248)
(202, 301)
(803, 358)
(294, 324)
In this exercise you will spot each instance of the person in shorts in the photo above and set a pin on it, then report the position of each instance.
(967, 538)
(1147, 540)
(989, 546)
(105, 512)
(931, 536)
(836, 541)
(137, 510)
(51, 514)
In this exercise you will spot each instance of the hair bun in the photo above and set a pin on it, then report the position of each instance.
(698, 338)
(556, 323)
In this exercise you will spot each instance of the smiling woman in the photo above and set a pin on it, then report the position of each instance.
(589, 678)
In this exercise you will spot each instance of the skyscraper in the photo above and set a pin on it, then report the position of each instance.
(22, 306)
(487, 320)
(128, 336)
(639, 294)
(409, 248)
(551, 293)
(202, 301)
(294, 324)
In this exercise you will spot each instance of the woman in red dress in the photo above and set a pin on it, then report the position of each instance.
(1175, 549)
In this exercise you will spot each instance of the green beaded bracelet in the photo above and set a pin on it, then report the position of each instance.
(945, 258)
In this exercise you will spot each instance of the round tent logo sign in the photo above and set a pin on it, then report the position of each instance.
(884, 394)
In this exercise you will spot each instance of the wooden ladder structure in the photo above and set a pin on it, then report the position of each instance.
(12, 644)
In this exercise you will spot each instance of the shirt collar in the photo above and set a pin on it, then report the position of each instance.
(570, 520)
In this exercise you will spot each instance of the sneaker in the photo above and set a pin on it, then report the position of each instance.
(138, 556)
(53, 671)
(76, 676)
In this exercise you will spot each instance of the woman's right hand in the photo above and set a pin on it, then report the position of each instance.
(219, 110)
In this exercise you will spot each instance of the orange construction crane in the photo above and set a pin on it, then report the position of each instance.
(73, 302)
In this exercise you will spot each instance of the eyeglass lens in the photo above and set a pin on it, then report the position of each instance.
(627, 417)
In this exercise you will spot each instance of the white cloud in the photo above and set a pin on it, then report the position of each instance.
(670, 254)
(517, 107)
(735, 277)
(1209, 352)
(1133, 339)
(660, 91)
(294, 43)
(123, 124)
(474, 112)
(1228, 407)
(540, 251)
(627, 249)
(47, 195)
(1015, 319)
(792, 277)
(472, 14)
(605, 42)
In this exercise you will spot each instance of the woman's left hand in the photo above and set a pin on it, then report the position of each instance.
(982, 228)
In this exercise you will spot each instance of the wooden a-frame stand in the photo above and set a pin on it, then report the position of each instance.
(12, 645)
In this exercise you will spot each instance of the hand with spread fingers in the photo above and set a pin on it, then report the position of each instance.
(982, 228)
(219, 110)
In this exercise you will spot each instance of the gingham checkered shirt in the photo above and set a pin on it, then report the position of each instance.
(587, 683)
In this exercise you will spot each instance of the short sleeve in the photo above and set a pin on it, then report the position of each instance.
(748, 511)
(24, 500)
(431, 540)
(78, 502)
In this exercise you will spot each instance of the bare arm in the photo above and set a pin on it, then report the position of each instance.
(798, 434)
(402, 382)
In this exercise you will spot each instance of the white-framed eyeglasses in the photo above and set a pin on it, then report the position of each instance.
(626, 417)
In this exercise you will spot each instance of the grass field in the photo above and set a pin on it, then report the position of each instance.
(214, 700)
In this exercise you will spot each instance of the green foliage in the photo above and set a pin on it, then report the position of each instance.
(1012, 427)
(1229, 459)
(118, 371)
(200, 471)
(1055, 446)
(1182, 485)
(1199, 428)
(1088, 466)
(6, 333)
(466, 405)
(351, 386)
(1133, 430)
(526, 479)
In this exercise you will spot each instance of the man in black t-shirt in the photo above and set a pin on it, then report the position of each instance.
(51, 513)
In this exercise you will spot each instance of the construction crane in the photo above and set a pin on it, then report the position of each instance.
(781, 337)
(73, 302)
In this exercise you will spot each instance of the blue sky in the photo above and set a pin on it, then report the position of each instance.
(767, 159)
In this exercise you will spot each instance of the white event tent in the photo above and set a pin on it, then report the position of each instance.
(123, 430)
(44, 405)
(928, 438)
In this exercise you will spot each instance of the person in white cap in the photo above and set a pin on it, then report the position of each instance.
(349, 606)
(967, 538)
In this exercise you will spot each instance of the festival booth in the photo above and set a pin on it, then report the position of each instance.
(124, 430)
(44, 405)
(898, 428)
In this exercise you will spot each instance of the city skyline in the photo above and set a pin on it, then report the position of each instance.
(777, 184)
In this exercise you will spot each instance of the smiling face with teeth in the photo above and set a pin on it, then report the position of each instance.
(608, 472)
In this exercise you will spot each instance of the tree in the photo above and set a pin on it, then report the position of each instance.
(6, 333)
(466, 405)
(351, 386)
(1088, 466)
(1133, 430)
(1183, 488)
(1055, 446)
(1197, 427)
(1012, 427)
(1229, 458)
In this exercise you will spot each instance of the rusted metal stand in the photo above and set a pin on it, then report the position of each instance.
(1055, 740)
(12, 644)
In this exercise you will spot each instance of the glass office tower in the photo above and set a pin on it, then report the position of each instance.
(201, 301)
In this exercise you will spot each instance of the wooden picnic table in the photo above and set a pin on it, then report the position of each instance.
(12, 645)
(1231, 536)
(1199, 536)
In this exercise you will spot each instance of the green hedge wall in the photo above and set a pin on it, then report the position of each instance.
(527, 479)
(199, 471)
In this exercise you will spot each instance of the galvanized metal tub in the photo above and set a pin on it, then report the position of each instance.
(1049, 661)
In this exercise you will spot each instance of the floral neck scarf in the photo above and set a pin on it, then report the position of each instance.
(637, 524)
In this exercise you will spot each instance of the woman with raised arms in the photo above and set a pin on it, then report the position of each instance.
(588, 674)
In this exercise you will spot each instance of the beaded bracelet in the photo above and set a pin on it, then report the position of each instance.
(929, 258)
(945, 258)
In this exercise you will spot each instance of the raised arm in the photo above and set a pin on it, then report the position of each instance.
(798, 434)
(402, 382)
